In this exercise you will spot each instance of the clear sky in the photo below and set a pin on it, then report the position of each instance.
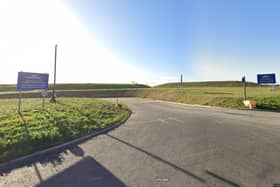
(147, 41)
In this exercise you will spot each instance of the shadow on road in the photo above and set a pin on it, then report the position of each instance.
(55, 158)
(222, 178)
(87, 172)
(186, 172)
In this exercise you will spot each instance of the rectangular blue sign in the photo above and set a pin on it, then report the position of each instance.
(267, 78)
(32, 81)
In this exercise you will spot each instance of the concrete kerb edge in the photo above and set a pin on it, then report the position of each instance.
(57, 148)
(216, 107)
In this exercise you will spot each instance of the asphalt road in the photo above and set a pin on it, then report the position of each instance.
(165, 144)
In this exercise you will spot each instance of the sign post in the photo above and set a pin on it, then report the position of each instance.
(19, 102)
(267, 79)
(31, 81)
(44, 94)
(244, 87)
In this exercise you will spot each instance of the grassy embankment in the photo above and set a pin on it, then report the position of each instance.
(219, 93)
(11, 88)
(77, 90)
(35, 129)
(222, 94)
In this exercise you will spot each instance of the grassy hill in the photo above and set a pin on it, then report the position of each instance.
(83, 86)
(207, 84)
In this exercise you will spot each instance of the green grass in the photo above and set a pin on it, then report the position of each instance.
(230, 97)
(35, 129)
(206, 84)
(212, 93)
(268, 102)
(83, 86)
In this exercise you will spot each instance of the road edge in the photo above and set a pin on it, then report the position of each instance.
(217, 107)
(57, 148)
(193, 105)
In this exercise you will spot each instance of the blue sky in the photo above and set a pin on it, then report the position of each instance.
(172, 37)
(152, 34)
(147, 41)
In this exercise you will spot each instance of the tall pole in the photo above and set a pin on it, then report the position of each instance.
(53, 99)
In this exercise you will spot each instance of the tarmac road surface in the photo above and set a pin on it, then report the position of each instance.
(165, 144)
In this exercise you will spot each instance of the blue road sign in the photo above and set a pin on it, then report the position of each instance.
(32, 81)
(266, 78)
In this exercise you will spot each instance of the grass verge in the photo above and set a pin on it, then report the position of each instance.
(35, 130)
(229, 97)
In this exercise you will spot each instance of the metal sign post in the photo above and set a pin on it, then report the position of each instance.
(19, 101)
(44, 94)
(43, 103)
(31, 81)
(267, 79)
(244, 87)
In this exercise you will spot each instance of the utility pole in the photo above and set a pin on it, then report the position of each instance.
(53, 98)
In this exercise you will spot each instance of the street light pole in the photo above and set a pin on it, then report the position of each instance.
(53, 99)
